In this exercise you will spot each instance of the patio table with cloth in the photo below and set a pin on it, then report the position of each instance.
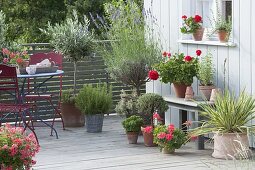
(36, 89)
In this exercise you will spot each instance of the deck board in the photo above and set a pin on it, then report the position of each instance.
(78, 150)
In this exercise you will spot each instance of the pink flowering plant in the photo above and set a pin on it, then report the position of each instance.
(178, 68)
(14, 57)
(17, 149)
(169, 137)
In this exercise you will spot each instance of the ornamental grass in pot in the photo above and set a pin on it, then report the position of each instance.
(179, 70)
(228, 119)
(205, 75)
(94, 102)
(132, 126)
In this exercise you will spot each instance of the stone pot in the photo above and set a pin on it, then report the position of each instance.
(94, 123)
(180, 90)
(132, 137)
(189, 94)
(148, 138)
(206, 91)
(198, 34)
(168, 151)
(223, 36)
(72, 116)
(230, 145)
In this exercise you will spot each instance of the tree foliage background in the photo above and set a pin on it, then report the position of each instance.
(25, 17)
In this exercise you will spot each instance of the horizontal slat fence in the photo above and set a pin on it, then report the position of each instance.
(88, 72)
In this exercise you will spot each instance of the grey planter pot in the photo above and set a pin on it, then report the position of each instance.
(94, 123)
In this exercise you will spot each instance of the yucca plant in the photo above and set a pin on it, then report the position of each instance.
(229, 114)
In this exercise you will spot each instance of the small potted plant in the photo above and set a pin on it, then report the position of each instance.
(223, 28)
(179, 70)
(193, 25)
(17, 148)
(132, 126)
(94, 102)
(169, 138)
(74, 41)
(205, 75)
(228, 119)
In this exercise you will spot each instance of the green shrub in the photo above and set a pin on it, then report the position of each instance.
(206, 70)
(67, 96)
(148, 103)
(94, 100)
(3, 30)
(127, 105)
(133, 123)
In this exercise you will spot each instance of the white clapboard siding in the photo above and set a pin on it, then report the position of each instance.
(240, 60)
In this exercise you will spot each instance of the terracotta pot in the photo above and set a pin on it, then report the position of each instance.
(214, 93)
(198, 34)
(231, 145)
(148, 138)
(180, 90)
(132, 137)
(168, 151)
(223, 36)
(206, 91)
(72, 116)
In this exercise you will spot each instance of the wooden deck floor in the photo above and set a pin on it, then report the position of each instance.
(78, 150)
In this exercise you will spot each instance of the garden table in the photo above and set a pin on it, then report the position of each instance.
(190, 106)
(36, 88)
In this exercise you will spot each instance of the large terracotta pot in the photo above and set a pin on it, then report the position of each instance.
(223, 36)
(132, 137)
(198, 34)
(230, 145)
(148, 138)
(180, 90)
(72, 116)
(206, 91)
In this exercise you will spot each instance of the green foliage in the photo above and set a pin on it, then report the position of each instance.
(148, 103)
(3, 30)
(24, 18)
(130, 53)
(176, 141)
(177, 70)
(94, 100)
(206, 70)
(133, 123)
(229, 114)
(67, 96)
(127, 104)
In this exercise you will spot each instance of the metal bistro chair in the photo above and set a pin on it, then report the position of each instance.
(21, 111)
(57, 59)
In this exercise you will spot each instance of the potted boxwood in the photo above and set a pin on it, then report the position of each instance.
(94, 102)
(205, 75)
(73, 39)
(76, 119)
(228, 119)
(132, 126)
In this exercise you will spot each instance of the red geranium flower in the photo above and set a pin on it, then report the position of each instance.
(199, 52)
(164, 54)
(161, 135)
(169, 137)
(19, 60)
(169, 55)
(170, 128)
(184, 17)
(148, 129)
(188, 58)
(156, 116)
(197, 18)
(153, 75)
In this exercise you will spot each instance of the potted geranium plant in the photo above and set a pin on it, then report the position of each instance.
(169, 138)
(205, 74)
(132, 126)
(179, 70)
(17, 148)
(193, 25)
(73, 39)
(94, 102)
(228, 120)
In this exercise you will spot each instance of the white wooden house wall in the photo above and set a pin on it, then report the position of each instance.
(240, 68)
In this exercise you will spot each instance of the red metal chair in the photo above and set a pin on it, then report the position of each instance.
(57, 59)
(9, 85)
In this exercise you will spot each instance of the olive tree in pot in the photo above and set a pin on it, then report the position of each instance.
(94, 102)
(205, 75)
(73, 39)
(228, 119)
(132, 126)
